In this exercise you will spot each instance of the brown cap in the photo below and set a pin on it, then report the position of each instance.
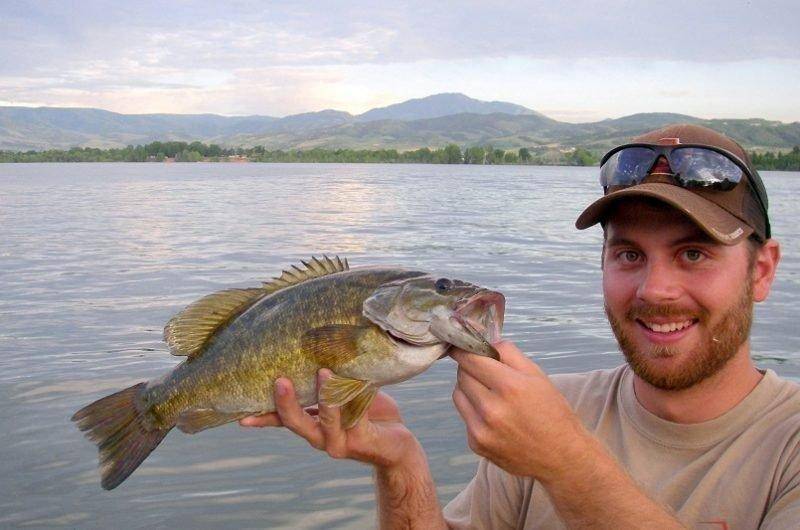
(727, 216)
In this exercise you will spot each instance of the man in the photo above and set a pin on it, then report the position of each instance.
(689, 433)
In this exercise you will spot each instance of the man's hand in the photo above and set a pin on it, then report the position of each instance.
(405, 489)
(514, 415)
(379, 438)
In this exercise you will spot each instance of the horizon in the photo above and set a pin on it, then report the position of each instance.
(584, 64)
(389, 104)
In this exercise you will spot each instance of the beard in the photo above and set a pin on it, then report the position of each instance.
(719, 345)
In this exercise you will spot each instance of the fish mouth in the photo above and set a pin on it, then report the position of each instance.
(483, 312)
(474, 325)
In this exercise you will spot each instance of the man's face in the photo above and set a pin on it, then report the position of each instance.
(679, 303)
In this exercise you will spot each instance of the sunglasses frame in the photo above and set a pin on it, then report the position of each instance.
(665, 150)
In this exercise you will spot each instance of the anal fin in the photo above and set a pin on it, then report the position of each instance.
(196, 420)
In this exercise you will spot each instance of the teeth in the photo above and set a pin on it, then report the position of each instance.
(668, 327)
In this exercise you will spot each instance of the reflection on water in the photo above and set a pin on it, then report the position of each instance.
(96, 258)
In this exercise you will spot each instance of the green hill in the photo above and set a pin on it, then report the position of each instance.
(427, 122)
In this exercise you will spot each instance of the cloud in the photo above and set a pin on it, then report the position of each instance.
(280, 57)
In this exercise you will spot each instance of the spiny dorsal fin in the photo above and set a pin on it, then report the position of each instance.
(313, 269)
(188, 332)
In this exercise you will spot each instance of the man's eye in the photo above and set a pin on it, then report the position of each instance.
(693, 255)
(629, 256)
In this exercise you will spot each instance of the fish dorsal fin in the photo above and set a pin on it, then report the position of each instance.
(188, 332)
(310, 269)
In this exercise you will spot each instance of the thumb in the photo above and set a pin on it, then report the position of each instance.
(513, 357)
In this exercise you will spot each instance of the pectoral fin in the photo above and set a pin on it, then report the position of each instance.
(356, 407)
(338, 391)
(333, 345)
(193, 421)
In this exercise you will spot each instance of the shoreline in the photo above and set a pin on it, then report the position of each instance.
(225, 162)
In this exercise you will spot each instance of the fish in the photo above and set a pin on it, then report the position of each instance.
(371, 326)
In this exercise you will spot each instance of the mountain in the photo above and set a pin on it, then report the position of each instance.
(441, 105)
(47, 128)
(432, 122)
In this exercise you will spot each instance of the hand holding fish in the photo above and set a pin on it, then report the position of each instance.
(515, 416)
(380, 438)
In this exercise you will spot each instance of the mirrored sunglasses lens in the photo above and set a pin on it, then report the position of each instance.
(627, 166)
(696, 167)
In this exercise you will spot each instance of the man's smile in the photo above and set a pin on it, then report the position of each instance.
(666, 331)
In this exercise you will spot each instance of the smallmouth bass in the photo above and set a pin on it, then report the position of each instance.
(371, 326)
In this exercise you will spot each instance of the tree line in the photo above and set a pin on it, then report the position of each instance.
(450, 154)
(779, 162)
(198, 151)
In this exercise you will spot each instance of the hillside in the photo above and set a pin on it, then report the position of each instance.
(433, 122)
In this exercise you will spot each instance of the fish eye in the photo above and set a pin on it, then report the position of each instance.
(442, 285)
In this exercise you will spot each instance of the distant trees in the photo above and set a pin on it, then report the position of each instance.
(781, 161)
(450, 154)
(474, 155)
(580, 157)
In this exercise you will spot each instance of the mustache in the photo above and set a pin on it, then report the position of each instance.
(643, 311)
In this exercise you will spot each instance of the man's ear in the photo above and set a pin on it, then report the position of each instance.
(764, 267)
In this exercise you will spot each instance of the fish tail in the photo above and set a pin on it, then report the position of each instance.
(123, 440)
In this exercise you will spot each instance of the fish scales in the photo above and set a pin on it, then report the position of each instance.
(238, 370)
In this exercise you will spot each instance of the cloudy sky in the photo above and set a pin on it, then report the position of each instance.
(574, 61)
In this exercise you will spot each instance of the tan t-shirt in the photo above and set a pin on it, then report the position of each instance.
(738, 471)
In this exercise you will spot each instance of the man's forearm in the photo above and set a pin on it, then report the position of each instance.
(595, 492)
(407, 495)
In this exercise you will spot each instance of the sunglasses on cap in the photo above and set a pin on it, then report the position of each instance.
(693, 166)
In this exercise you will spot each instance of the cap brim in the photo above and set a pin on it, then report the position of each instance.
(712, 219)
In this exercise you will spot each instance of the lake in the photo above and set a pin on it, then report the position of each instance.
(95, 258)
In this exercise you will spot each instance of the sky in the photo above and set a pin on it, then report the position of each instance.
(573, 61)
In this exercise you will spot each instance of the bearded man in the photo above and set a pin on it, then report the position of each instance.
(688, 433)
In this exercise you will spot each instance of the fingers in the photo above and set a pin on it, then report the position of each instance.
(330, 423)
(293, 417)
(493, 373)
(270, 419)
(473, 389)
(513, 357)
(383, 408)
(488, 372)
(321, 427)
(465, 408)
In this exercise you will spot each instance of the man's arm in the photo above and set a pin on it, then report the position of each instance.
(517, 419)
(407, 495)
(405, 492)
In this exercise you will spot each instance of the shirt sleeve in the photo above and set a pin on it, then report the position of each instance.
(784, 514)
(492, 500)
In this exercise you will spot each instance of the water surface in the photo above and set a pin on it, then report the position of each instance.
(95, 258)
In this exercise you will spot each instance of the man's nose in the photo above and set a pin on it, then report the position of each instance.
(659, 283)
(660, 167)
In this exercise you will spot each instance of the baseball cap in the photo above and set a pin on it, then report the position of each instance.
(727, 216)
